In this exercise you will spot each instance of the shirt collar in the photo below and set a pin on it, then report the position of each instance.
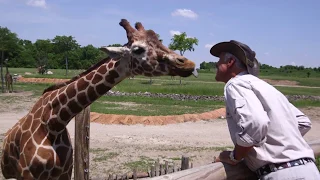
(238, 75)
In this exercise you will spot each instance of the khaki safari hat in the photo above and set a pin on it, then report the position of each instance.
(241, 51)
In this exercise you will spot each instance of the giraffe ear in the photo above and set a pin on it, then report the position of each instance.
(115, 52)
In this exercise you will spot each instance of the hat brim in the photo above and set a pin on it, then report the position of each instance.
(229, 47)
(237, 51)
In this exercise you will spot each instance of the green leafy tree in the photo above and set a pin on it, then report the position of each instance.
(43, 48)
(64, 44)
(8, 44)
(183, 43)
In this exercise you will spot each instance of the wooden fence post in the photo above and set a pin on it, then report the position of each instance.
(184, 163)
(82, 136)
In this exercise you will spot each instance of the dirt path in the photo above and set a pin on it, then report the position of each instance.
(116, 148)
(285, 83)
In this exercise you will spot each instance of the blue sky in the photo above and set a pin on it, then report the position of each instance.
(280, 32)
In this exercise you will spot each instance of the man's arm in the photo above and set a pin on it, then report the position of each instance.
(251, 119)
(304, 123)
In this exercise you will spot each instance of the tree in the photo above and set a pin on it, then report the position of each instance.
(64, 44)
(182, 43)
(8, 43)
(43, 48)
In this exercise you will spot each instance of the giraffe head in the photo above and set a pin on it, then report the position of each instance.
(147, 56)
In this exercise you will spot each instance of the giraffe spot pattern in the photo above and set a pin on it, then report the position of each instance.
(90, 76)
(110, 65)
(92, 94)
(63, 99)
(37, 167)
(102, 70)
(74, 106)
(82, 98)
(64, 114)
(82, 84)
(71, 90)
(97, 78)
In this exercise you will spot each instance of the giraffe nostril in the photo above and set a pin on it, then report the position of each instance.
(180, 61)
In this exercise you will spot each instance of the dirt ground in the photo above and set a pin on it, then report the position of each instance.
(115, 148)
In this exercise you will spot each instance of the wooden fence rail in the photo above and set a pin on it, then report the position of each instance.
(158, 171)
(219, 170)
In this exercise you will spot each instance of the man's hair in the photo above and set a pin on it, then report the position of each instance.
(239, 63)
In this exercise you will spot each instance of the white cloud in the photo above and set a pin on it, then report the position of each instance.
(185, 13)
(293, 63)
(173, 32)
(208, 46)
(37, 3)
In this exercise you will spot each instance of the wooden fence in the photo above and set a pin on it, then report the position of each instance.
(158, 171)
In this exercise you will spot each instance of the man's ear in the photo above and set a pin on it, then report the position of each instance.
(115, 52)
(231, 62)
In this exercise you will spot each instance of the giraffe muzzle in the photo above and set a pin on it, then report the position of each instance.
(195, 73)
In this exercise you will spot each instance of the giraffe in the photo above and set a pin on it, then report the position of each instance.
(8, 78)
(38, 146)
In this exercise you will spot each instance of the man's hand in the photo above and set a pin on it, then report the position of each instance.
(224, 157)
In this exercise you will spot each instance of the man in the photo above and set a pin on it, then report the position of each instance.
(265, 127)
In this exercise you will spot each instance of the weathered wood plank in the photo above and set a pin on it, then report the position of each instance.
(219, 170)
(81, 153)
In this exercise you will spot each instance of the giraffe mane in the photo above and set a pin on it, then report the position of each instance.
(59, 85)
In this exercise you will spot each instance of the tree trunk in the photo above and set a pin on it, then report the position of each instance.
(181, 53)
(66, 65)
(1, 71)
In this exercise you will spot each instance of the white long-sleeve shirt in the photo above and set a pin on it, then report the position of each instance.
(259, 115)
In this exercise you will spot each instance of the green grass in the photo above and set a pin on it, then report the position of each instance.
(144, 106)
(105, 156)
(142, 165)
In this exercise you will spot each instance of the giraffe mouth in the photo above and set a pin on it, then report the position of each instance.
(195, 73)
(185, 72)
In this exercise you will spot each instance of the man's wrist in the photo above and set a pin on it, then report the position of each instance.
(232, 157)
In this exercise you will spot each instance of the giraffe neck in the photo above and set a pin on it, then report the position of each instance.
(74, 97)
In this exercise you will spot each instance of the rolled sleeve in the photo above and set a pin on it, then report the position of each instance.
(249, 116)
(304, 123)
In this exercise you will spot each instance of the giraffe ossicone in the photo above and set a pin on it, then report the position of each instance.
(38, 146)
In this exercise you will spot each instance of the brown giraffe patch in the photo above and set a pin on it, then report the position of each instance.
(71, 91)
(110, 65)
(92, 94)
(82, 98)
(64, 114)
(82, 84)
(37, 168)
(97, 78)
(27, 124)
(101, 89)
(74, 106)
(44, 175)
(53, 95)
(53, 124)
(63, 99)
(61, 151)
(90, 76)
(38, 113)
(35, 125)
(102, 69)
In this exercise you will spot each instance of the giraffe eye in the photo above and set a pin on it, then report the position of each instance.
(138, 50)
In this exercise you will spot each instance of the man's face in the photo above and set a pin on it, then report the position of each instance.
(222, 69)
